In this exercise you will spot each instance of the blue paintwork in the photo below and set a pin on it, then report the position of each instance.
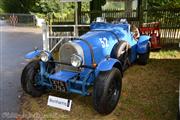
(42, 80)
(142, 44)
(123, 32)
(33, 54)
(63, 76)
(107, 64)
(36, 53)
(102, 37)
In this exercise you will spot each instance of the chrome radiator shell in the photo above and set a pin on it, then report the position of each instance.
(65, 53)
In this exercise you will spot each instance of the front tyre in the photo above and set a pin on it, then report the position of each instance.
(107, 90)
(29, 77)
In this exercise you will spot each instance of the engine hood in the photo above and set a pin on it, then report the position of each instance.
(99, 43)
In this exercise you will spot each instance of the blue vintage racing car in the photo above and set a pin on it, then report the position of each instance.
(98, 59)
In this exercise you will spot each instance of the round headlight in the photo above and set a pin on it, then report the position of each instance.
(76, 60)
(44, 56)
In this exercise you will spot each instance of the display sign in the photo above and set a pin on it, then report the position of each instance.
(60, 103)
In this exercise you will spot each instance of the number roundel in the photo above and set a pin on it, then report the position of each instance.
(104, 42)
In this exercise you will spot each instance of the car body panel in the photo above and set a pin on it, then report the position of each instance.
(33, 54)
(107, 64)
(142, 44)
(63, 76)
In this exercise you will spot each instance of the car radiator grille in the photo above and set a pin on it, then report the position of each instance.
(65, 53)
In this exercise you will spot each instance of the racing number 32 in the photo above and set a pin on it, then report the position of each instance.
(104, 42)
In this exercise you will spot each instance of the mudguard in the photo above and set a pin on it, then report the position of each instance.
(34, 54)
(142, 45)
(108, 64)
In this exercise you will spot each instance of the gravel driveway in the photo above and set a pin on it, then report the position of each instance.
(15, 42)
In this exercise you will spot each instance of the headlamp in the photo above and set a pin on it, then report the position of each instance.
(44, 56)
(76, 60)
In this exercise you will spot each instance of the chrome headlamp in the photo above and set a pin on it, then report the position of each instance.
(76, 60)
(44, 56)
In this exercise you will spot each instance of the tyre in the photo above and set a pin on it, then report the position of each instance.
(121, 52)
(29, 77)
(24, 76)
(107, 90)
(143, 58)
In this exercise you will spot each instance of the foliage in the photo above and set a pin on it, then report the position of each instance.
(85, 6)
(12, 6)
(1, 10)
(163, 4)
(40, 15)
(17, 6)
(114, 5)
(54, 7)
(164, 11)
(43, 7)
(27, 4)
(46, 6)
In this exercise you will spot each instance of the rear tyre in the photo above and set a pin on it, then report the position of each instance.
(107, 90)
(29, 77)
(143, 58)
(121, 52)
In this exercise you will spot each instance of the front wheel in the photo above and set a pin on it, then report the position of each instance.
(107, 90)
(29, 77)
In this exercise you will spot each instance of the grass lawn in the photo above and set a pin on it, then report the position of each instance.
(149, 93)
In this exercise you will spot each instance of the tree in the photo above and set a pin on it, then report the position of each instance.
(17, 6)
(95, 6)
(1, 9)
(46, 6)
(12, 6)
(27, 5)
(163, 4)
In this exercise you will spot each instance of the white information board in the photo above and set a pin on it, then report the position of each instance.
(60, 103)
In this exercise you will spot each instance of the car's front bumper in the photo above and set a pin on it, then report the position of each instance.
(68, 81)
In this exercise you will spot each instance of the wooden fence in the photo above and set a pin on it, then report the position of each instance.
(170, 37)
(169, 24)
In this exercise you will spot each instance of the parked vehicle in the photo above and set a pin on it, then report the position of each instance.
(97, 58)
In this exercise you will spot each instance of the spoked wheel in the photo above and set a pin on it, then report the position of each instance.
(30, 76)
(107, 90)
